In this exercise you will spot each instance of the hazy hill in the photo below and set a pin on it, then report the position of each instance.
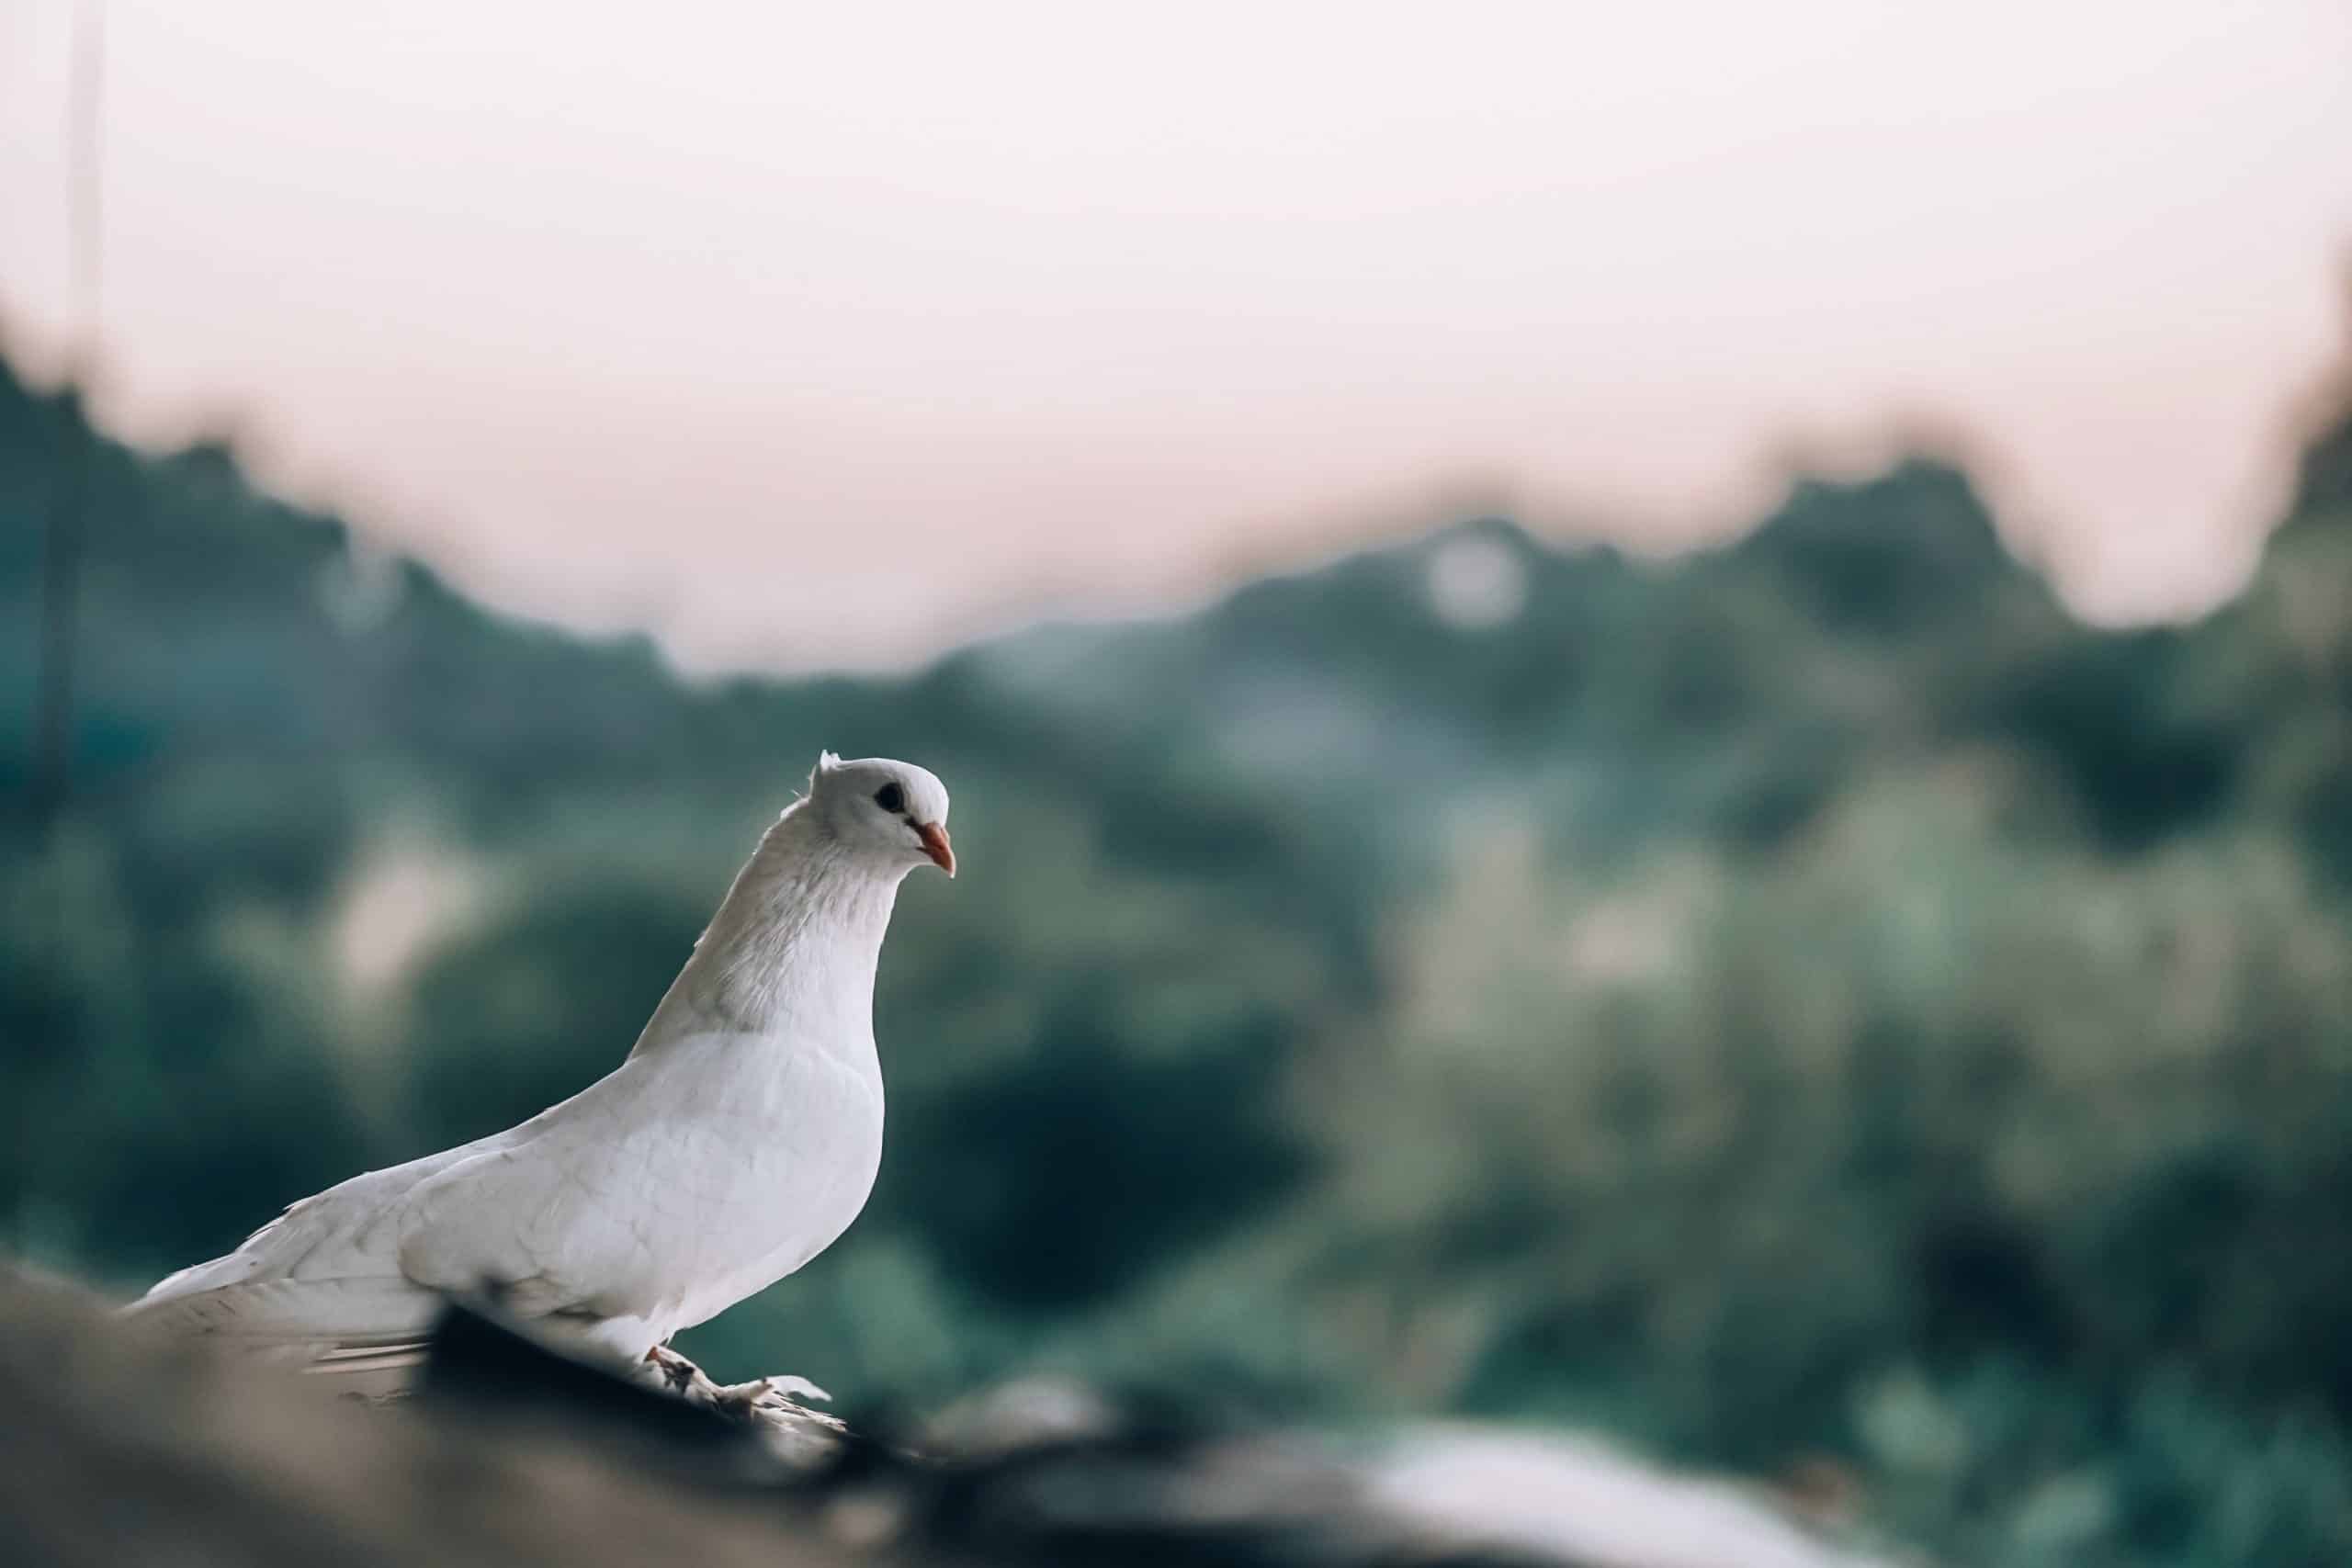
(1812, 998)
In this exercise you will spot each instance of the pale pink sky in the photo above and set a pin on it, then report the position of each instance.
(827, 334)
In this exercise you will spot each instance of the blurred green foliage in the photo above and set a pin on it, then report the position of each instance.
(1810, 1003)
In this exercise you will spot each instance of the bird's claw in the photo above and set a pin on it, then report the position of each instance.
(761, 1399)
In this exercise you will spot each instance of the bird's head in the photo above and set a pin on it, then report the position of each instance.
(891, 809)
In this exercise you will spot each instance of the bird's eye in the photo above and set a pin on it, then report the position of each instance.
(890, 798)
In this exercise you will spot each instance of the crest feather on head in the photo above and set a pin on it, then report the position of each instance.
(826, 763)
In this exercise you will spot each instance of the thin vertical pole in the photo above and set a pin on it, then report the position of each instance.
(69, 511)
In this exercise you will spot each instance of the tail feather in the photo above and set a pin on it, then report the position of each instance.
(368, 1335)
(370, 1311)
(367, 1360)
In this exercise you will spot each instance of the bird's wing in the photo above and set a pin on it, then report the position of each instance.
(574, 1213)
(603, 1209)
(320, 1285)
(687, 1179)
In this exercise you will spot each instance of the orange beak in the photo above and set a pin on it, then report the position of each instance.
(935, 844)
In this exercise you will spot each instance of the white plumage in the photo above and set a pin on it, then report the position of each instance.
(737, 1141)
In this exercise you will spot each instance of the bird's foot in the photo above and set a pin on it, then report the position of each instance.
(772, 1399)
(666, 1369)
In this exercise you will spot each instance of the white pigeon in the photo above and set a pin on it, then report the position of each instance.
(739, 1139)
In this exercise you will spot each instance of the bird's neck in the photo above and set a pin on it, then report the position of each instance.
(793, 948)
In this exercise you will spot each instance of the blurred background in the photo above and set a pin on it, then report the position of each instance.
(1650, 714)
